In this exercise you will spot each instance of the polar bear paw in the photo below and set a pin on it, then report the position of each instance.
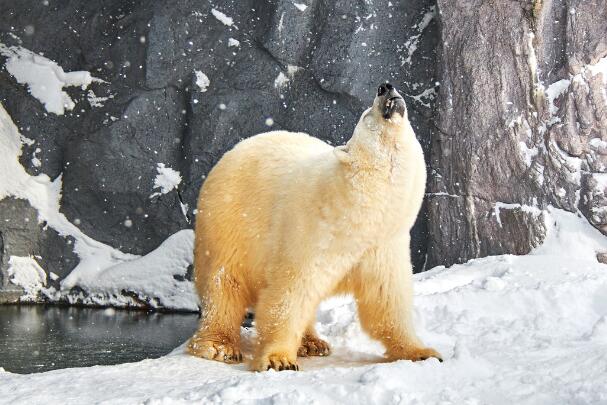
(276, 361)
(224, 350)
(313, 346)
(418, 354)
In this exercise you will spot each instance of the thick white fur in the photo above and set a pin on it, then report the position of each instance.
(285, 220)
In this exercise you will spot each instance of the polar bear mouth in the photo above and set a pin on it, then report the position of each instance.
(393, 105)
(390, 101)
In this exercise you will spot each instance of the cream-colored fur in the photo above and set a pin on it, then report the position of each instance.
(285, 220)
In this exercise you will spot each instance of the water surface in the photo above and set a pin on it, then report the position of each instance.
(37, 338)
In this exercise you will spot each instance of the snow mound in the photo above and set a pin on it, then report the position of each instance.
(512, 329)
(155, 280)
(45, 79)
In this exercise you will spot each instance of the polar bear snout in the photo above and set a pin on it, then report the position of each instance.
(384, 88)
(390, 101)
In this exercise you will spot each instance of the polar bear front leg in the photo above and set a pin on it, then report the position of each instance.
(286, 306)
(383, 287)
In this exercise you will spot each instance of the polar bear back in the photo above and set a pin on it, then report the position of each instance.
(264, 183)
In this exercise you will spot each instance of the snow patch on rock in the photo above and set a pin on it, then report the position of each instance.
(202, 80)
(283, 79)
(27, 274)
(104, 275)
(554, 91)
(95, 100)
(527, 153)
(530, 209)
(428, 94)
(413, 42)
(44, 78)
(224, 19)
(166, 180)
(44, 195)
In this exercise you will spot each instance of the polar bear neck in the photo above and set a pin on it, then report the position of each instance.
(381, 182)
(379, 148)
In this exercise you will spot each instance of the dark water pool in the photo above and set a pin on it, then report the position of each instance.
(40, 338)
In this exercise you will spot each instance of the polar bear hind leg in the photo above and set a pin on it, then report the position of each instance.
(224, 307)
(311, 344)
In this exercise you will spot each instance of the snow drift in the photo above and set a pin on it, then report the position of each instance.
(513, 329)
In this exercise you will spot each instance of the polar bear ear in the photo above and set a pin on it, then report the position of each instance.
(342, 153)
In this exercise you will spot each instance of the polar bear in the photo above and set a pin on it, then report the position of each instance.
(284, 221)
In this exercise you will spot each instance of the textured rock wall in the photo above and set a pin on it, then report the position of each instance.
(309, 66)
(521, 123)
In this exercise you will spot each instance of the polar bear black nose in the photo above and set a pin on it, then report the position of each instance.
(384, 88)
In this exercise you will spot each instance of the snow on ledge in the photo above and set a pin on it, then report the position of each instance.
(44, 78)
(530, 209)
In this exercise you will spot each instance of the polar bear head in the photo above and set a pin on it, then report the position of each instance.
(387, 115)
(385, 123)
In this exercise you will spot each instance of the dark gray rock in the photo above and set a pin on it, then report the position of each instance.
(22, 235)
(112, 187)
(314, 70)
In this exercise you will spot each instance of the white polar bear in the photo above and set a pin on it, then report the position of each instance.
(285, 220)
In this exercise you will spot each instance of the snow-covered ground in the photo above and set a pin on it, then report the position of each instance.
(513, 329)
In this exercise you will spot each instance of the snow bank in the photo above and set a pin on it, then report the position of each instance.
(44, 78)
(156, 280)
(513, 329)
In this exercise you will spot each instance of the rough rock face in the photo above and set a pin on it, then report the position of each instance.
(521, 123)
(507, 98)
(309, 66)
